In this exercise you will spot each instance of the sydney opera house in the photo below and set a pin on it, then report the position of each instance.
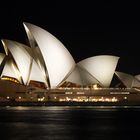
(44, 70)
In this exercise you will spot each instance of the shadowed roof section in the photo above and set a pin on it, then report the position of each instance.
(11, 70)
(81, 77)
(1, 57)
(128, 80)
(138, 77)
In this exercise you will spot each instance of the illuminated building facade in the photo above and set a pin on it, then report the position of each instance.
(46, 66)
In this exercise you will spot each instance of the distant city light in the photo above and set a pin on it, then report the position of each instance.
(7, 97)
(91, 99)
(125, 97)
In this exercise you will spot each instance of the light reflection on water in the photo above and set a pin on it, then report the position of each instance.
(100, 108)
(69, 122)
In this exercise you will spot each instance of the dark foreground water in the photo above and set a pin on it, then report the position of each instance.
(69, 123)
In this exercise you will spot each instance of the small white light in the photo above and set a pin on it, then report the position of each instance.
(8, 97)
(125, 97)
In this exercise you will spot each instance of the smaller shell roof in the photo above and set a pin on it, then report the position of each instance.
(102, 67)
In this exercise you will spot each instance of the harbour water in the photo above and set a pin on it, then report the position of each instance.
(70, 123)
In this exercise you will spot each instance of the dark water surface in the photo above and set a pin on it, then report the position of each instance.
(69, 123)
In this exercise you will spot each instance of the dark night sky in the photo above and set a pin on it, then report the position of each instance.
(85, 31)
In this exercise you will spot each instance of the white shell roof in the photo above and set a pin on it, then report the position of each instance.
(81, 77)
(21, 57)
(50, 62)
(36, 53)
(37, 56)
(58, 60)
(128, 80)
(75, 77)
(101, 67)
(36, 74)
(138, 77)
(11, 70)
(28, 68)
(87, 78)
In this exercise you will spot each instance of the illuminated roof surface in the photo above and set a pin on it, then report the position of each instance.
(128, 80)
(47, 60)
(101, 67)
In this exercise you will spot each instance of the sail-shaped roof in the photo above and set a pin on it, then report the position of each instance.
(57, 58)
(10, 69)
(128, 80)
(81, 77)
(27, 66)
(101, 67)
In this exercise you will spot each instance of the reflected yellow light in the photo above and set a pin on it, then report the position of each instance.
(9, 79)
(91, 99)
(68, 92)
(95, 86)
(41, 99)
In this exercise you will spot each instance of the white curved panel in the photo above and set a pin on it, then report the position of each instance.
(128, 80)
(36, 73)
(36, 53)
(135, 83)
(81, 77)
(87, 78)
(75, 77)
(37, 69)
(137, 77)
(37, 56)
(27, 66)
(11, 70)
(1, 57)
(58, 60)
(21, 57)
(101, 67)
(32, 41)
